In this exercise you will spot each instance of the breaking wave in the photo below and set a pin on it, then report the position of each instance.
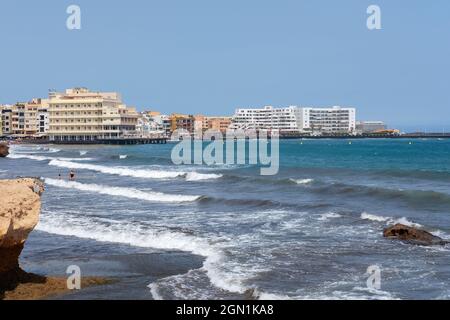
(389, 220)
(302, 181)
(136, 173)
(122, 192)
(44, 158)
(139, 235)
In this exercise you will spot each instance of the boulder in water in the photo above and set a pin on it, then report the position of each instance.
(413, 235)
(4, 150)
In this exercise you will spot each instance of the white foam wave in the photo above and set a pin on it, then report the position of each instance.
(140, 236)
(302, 181)
(195, 176)
(83, 153)
(123, 156)
(122, 192)
(373, 217)
(329, 215)
(44, 158)
(136, 173)
(155, 291)
(389, 220)
(121, 171)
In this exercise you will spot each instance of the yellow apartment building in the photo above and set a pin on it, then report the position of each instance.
(82, 115)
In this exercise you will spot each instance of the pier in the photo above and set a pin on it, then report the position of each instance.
(119, 141)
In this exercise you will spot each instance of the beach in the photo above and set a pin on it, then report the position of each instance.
(165, 231)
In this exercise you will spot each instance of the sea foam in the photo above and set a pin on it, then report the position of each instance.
(136, 173)
(135, 234)
(121, 192)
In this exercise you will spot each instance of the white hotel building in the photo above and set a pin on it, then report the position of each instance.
(335, 120)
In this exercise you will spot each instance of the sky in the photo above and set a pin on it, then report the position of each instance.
(213, 56)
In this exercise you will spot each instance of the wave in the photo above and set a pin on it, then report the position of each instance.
(123, 156)
(240, 202)
(43, 158)
(83, 153)
(195, 176)
(302, 181)
(122, 192)
(329, 215)
(389, 220)
(415, 197)
(136, 173)
(147, 237)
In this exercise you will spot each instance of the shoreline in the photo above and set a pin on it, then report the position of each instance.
(30, 286)
(135, 142)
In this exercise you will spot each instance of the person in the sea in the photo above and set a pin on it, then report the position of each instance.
(59, 176)
(72, 175)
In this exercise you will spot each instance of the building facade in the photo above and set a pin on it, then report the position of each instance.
(267, 118)
(335, 120)
(82, 115)
(294, 119)
(25, 119)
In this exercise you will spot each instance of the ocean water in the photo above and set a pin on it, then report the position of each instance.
(226, 232)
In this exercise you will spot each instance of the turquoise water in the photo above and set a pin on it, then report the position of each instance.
(225, 231)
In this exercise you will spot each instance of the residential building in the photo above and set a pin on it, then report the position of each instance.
(294, 119)
(6, 116)
(335, 120)
(79, 114)
(182, 121)
(267, 118)
(221, 124)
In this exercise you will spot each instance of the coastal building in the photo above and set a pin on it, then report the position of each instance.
(23, 119)
(182, 121)
(294, 119)
(79, 114)
(323, 121)
(370, 126)
(221, 124)
(267, 118)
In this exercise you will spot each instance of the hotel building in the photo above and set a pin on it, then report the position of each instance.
(294, 119)
(335, 120)
(82, 115)
(267, 118)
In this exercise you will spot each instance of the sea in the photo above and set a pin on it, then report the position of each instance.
(224, 231)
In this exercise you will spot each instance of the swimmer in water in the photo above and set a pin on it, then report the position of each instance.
(72, 175)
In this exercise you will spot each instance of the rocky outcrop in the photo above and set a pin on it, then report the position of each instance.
(19, 213)
(413, 235)
(4, 150)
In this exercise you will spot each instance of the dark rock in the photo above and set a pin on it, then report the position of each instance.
(413, 235)
(4, 150)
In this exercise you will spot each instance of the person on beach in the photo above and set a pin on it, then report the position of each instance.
(72, 175)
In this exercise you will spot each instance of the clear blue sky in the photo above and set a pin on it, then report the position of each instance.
(204, 56)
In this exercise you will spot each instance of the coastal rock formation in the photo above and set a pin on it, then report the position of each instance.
(413, 235)
(19, 214)
(4, 150)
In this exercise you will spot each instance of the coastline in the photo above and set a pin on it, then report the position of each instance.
(36, 287)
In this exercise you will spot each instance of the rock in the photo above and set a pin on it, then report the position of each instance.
(19, 214)
(4, 150)
(413, 235)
